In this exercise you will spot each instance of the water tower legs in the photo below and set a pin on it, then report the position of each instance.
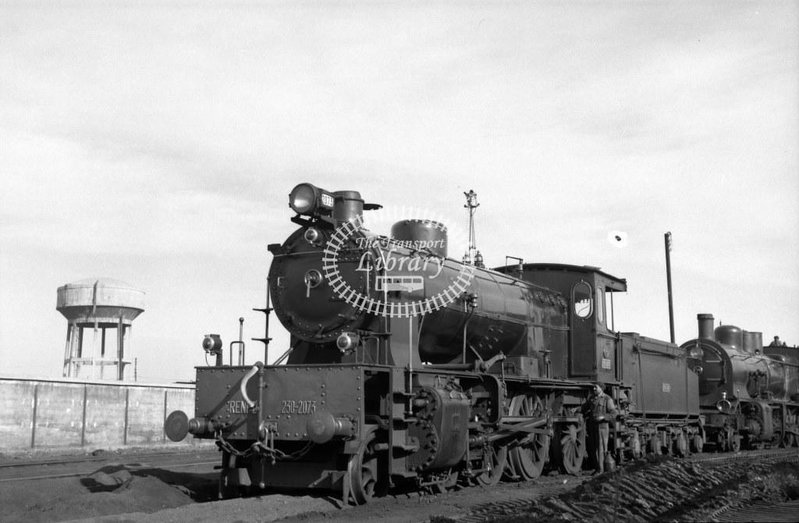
(102, 355)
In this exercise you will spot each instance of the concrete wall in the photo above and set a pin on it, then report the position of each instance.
(60, 414)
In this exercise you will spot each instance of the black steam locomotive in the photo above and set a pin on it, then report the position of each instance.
(407, 367)
(748, 394)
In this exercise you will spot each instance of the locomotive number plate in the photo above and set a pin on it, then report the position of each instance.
(297, 406)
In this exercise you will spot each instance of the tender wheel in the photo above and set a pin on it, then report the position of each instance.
(495, 457)
(654, 445)
(635, 446)
(527, 460)
(681, 445)
(697, 443)
(570, 447)
(362, 470)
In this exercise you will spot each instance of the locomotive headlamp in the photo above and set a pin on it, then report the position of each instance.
(309, 199)
(312, 236)
(695, 353)
(347, 341)
(212, 344)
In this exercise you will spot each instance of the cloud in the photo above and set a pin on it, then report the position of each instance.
(158, 144)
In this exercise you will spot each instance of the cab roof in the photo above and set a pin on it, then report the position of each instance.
(612, 282)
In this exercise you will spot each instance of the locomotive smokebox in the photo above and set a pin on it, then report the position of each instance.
(421, 235)
(706, 322)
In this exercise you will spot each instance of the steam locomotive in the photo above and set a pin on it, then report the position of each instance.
(409, 368)
(748, 394)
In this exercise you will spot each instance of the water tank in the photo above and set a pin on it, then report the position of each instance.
(98, 305)
(101, 300)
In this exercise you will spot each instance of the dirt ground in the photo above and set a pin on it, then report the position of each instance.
(671, 490)
(667, 490)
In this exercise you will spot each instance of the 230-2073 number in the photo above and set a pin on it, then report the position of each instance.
(297, 406)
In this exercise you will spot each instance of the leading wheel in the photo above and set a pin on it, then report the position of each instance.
(362, 470)
(728, 440)
(494, 459)
(447, 481)
(527, 460)
(234, 479)
(736, 443)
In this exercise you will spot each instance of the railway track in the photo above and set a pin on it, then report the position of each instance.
(19, 470)
(643, 491)
(759, 511)
(775, 453)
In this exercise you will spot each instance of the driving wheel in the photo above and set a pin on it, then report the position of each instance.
(527, 459)
(570, 446)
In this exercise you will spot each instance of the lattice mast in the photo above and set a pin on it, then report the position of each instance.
(472, 255)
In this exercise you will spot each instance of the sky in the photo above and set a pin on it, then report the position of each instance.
(156, 143)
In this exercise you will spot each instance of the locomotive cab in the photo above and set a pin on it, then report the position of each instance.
(591, 352)
(649, 379)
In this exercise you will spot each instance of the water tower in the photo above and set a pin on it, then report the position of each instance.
(100, 305)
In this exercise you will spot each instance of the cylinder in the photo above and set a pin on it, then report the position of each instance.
(421, 235)
(730, 335)
(705, 322)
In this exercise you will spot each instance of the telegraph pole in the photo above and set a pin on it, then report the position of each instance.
(667, 239)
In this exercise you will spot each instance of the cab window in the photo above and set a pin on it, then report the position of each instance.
(582, 297)
(600, 306)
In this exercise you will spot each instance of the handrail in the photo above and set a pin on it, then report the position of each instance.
(243, 385)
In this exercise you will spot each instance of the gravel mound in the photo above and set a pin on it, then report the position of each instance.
(667, 490)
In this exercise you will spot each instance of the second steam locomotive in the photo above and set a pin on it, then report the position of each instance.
(409, 368)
